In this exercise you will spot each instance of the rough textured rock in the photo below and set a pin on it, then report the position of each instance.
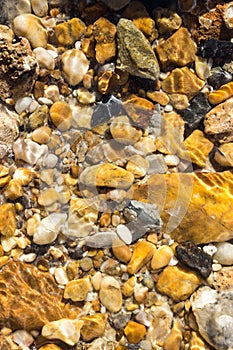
(196, 148)
(135, 52)
(194, 207)
(222, 279)
(167, 20)
(177, 51)
(9, 130)
(7, 219)
(214, 315)
(18, 69)
(32, 299)
(219, 121)
(182, 81)
(177, 283)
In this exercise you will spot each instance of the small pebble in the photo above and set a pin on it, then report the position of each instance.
(74, 66)
(61, 276)
(124, 233)
(224, 254)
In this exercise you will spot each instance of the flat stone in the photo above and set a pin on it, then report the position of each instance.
(104, 239)
(177, 283)
(33, 298)
(78, 289)
(177, 51)
(174, 339)
(224, 155)
(182, 81)
(204, 202)
(214, 316)
(7, 219)
(196, 148)
(158, 97)
(134, 332)
(64, 329)
(218, 121)
(142, 253)
(135, 54)
(93, 326)
(110, 294)
(106, 175)
(139, 109)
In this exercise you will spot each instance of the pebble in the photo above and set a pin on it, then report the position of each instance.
(106, 175)
(146, 145)
(93, 327)
(64, 329)
(137, 165)
(128, 286)
(74, 66)
(224, 155)
(47, 230)
(28, 150)
(202, 68)
(123, 132)
(38, 117)
(86, 264)
(142, 253)
(124, 233)
(85, 97)
(177, 283)
(69, 32)
(219, 77)
(110, 294)
(40, 7)
(228, 15)
(161, 257)
(44, 58)
(179, 101)
(22, 338)
(134, 332)
(13, 190)
(31, 27)
(222, 94)
(122, 252)
(174, 339)
(157, 164)
(50, 347)
(171, 160)
(159, 97)
(60, 276)
(61, 115)
(47, 197)
(167, 20)
(224, 254)
(78, 289)
(52, 93)
(135, 54)
(41, 135)
(23, 104)
(50, 160)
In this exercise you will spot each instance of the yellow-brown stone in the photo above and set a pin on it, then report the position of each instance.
(147, 27)
(134, 332)
(139, 109)
(77, 290)
(48, 197)
(177, 283)
(182, 81)
(104, 31)
(224, 155)
(106, 175)
(158, 97)
(196, 148)
(122, 252)
(61, 115)
(41, 135)
(142, 253)
(7, 219)
(161, 257)
(105, 52)
(174, 339)
(123, 132)
(197, 342)
(68, 32)
(223, 93)
(194, 206)
(13, 190)
(93, 326)
(50, 347)
(128, 286)
(173, 52)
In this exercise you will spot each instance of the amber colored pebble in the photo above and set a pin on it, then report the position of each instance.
(50, 347)
(134, 332)
(61, 115)
(68, 32)
(223, 93)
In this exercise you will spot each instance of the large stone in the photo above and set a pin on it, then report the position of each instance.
(178, 283)
(195, 206)
(29, 298)
(182, 81)
(177, 51)
(219, 121)
(106, 175)
(135, 54)
(214, 315)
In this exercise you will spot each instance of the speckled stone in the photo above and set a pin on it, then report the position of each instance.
(78, 289)
(177, 283)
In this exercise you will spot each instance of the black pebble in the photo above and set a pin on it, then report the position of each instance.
(218, 78)
(213, 48)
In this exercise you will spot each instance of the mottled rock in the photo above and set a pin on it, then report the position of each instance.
(213, 313)
(123, 132)
(61, 115)
(7, 219)
(106, 175)
(33, 298)
(137, 165)
(69, 32)
(222, 279)
(161, 323)
(224, 155)
(158, 97)
(195, 112)
(218, 121)
(9, 130)
(135, 54)
(139, 109)
(104, 239)
(216, 49)
(18, 69)
(64, 329)
(13, 190)
(142, 253)
(104, 33)
(74, 66)
(32, 28)
(110, 294)
(177, 282)
(193, 256)
(93, 326)
(78, 289)
(202, 212)
(48, 197)
(161, 257)
(104, 111)
(196, 148)
(28, 150)
(219, 77)
(167, 21)
(182, 81)
(173, 52)
(38, 117)
(134, 332)
(83, 214)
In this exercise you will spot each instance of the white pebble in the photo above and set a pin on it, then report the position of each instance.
(78, 45)
(216, 267)
(44, 58)
(52, 93)
(23, 104)
(28, 257)
(61, 276)
(171, 160)
(45, 101)
(124, 233)
(28, 150)
(224, 254)
(48, 228)
(8, 243)
(50, 161)
(53, 53)
(33, 106)
(22, 338)
(74, 66)
(168, 108)
(210, 249)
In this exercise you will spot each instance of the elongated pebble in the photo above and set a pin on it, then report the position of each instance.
(74, 66)
(124, 233)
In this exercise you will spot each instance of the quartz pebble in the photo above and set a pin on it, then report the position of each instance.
(28, 150)
(48, 228)
(31, 27)
(40, 7)
(44, 58)
(224, 254)
(22, 338)
(110, 294)
(74, 66)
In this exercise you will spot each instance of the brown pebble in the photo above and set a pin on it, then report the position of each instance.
(134, 332)
(61, 115)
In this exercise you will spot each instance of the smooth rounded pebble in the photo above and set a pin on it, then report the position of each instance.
(124, 233)
(44, 58)
(61, 115)
(224, 254)
(74, 66)
(40, 7)
(110, 294)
